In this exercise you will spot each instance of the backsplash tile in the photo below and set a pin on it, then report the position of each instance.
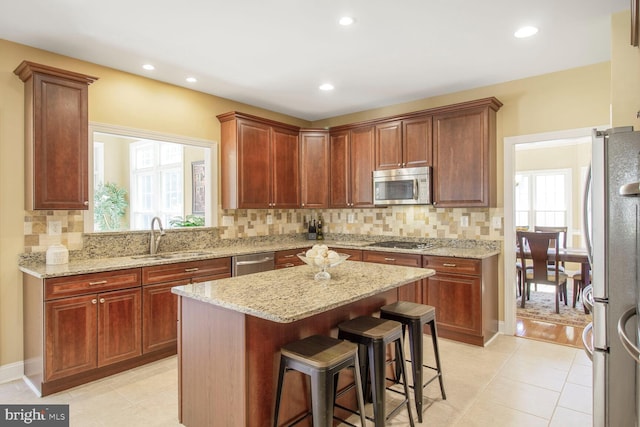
(401, 221)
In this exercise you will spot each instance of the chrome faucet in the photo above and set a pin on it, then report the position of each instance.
(153, 241)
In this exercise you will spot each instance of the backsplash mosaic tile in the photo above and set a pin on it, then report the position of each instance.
(403, 221)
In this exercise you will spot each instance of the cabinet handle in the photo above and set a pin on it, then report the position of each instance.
(191, 270)
(288, 265)
(86, 203)
(100, 282)
(94, 301)
(448, 264)
(101, 300)
(390, 259)
(288, 256)
(399, 164)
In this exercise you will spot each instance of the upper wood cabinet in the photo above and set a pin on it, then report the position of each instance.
(314, 168)
(259, 163)
(417, 146)
(464, 154)
(352, 163)
(56, 137)
(403, 143)
(388, 145)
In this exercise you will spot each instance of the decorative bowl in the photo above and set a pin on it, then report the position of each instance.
(323, 274)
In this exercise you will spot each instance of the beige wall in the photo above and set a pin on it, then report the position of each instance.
(564, 100)
(625, 74)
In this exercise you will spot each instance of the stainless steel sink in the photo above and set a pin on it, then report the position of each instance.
(171, 255)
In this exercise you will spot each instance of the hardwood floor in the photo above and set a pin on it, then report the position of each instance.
(549, 332)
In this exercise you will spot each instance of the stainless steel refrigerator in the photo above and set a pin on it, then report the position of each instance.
(612, 234)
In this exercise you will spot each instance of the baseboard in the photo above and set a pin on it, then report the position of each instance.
(11, 372)
(501, 326)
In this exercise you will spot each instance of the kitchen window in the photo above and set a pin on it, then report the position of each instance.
(543, 198)
(156, 169)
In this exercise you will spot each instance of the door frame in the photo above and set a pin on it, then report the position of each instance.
(509, 325)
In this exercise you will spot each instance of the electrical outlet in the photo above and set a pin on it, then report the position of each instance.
(54, 228)
(269, 219)
(227, 220)
(496, 222)
(350, 218)
(464, 221)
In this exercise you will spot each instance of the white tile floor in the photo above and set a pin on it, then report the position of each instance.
(511, 382)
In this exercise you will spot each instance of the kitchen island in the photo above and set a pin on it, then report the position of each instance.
(231, 331)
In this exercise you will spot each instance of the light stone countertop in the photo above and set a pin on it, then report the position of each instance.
(291, 294)
(95, 265)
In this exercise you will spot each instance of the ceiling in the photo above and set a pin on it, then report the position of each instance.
(275, 53)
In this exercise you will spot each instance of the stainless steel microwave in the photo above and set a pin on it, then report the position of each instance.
(406, 186)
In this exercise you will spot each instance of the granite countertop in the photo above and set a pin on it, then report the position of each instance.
(291, 294)
(94, 265)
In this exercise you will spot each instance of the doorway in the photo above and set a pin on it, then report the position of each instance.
(557, 141)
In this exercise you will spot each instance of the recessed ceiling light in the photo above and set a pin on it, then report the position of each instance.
(346, 21)
(191, 79)
(525, 32)
(148, 67)
(326, 86)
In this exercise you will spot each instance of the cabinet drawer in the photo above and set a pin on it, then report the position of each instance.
(393, 258)
(60, 287)
(453, 265)
(356, 254)
(288, 258)
(185, 270)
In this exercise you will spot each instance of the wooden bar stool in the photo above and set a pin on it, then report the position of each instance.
(322, 358)
(376, 334)
(414, 316)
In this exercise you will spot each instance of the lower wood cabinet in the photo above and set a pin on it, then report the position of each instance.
(464, 292)
(72, 330)
(84, 327)
(159, 316)
(288, 258)
(160, 305)
(91, 331)
(410, 292)
(355, 254)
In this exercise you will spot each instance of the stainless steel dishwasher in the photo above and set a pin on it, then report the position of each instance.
(252, 263)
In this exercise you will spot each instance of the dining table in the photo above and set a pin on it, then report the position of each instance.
(576, 255)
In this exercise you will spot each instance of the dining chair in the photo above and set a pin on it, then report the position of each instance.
(519, 265)
(562, 235)
(535, 246)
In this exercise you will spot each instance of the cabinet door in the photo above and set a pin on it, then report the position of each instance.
(314, 169)
(417, 147)
(362, 164)
(462, 159)
(285, 169)
(119, 326)
(388, 143)
(340, 195)
(56, 137)
(457, 299)
(70, 328)
(159, 317)
(254, 165)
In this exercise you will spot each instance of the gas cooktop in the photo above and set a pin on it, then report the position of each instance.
(403, 245)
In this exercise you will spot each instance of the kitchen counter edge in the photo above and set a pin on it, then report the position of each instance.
(97, 265)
